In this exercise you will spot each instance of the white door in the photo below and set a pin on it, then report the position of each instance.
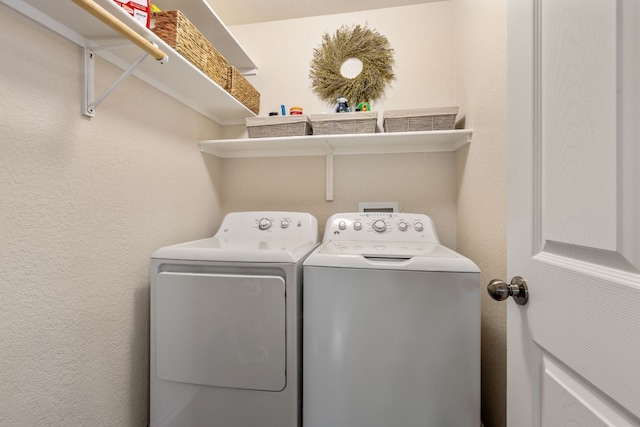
(574, 212)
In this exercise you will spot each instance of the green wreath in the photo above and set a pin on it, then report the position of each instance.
(362, 43)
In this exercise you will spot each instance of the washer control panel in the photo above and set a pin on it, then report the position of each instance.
(381, 226)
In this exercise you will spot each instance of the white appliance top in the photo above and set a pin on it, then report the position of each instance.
(386, 241)
(261, 236)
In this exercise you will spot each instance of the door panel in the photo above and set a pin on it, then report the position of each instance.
(578, 122)
(574, 204)
(574, 402)
(221, 330)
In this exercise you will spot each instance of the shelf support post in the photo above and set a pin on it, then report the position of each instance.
(329, 176)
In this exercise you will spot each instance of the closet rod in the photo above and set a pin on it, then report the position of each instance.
(103, 15)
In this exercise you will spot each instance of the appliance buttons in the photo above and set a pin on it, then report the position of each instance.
(379, 225)
(264, 223)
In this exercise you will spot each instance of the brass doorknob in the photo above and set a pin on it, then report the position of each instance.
(500, 290)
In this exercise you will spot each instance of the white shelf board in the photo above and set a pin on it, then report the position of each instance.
(314, 145)
(266, 147)
(177, 78)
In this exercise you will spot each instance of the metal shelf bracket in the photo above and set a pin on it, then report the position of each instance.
(107, 18)
(90, 102)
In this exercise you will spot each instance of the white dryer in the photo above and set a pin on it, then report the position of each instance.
(391, 326)
(225, 324)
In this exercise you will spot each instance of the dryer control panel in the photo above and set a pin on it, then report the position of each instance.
(268, 224)
(379, 226)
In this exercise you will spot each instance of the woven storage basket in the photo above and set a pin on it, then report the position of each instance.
(344, 123)
(174, 28)
(268, 127)
(242, 90)
(420, 119)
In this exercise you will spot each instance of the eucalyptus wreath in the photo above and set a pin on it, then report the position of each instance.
(370, 47)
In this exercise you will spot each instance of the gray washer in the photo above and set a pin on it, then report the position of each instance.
(391, 327)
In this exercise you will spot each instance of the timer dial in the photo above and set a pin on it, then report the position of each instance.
(264, 223)
(379, 225)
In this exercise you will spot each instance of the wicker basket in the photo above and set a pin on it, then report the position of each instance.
(344, 123)
(176, 30)
(420, 119)
(269, 127)
(242, 90)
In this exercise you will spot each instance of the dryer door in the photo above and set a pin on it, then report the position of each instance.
(221, 330)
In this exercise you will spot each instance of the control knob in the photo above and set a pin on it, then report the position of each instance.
(418, 226)
(402, 226)
(357, 226)
(264, 223)
(379, 225)
(284, 223)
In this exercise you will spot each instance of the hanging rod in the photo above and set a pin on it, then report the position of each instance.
(103, 15)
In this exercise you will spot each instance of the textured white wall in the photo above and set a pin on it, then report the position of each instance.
(423, 39)
(481, 71)
(83, 204)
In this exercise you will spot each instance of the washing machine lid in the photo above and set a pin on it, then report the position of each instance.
(389, 255)
(257, 236)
